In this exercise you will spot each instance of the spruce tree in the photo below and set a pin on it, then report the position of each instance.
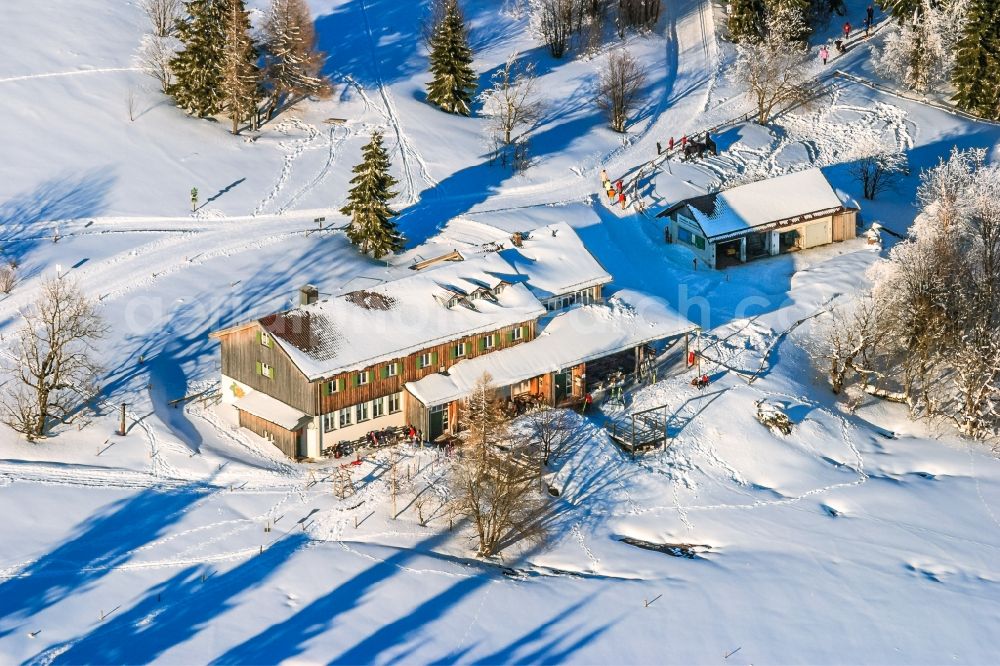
(746, 20)
(197, 68)
(902, 10)
(454, 81)
(976, 74)
(372, 228)
(793, 18)
(240, 74)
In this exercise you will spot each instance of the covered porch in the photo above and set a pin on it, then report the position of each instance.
(553, 368)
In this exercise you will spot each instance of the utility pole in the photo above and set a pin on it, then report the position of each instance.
(194, 199)
(121, 421)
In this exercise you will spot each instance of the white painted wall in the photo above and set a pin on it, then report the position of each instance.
(229, 396)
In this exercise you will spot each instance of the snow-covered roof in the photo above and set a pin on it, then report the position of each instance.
(357, 329)
(763, 203)
(555, 261)
(270, 409)
(576, 336)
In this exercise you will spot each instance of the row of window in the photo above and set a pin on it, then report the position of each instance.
(425, 360)
(584, 296)
(363, 411)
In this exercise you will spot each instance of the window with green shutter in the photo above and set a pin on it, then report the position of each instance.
(434, 358)
(699, 242)
(260, 368)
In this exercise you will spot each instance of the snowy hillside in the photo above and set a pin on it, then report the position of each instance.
(861, 537)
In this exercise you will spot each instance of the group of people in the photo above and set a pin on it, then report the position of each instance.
(840, 44)
(615, 191)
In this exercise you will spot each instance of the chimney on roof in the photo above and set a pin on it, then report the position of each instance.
(308, 294)
(517, 239)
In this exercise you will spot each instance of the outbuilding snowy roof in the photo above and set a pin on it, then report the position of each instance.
(797, 195)
(579, 335)
(555, 261)
(380, 323)
(270, 409)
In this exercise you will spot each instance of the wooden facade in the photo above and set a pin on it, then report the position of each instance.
(349, 392)
(243, 352)
(285, 440)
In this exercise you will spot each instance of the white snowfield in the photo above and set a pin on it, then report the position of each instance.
(861, 537)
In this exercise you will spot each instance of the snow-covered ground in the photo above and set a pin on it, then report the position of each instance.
(859, 537)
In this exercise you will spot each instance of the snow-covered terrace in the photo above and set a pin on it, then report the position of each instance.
(764, 204)
(580, 335)
(392, 320)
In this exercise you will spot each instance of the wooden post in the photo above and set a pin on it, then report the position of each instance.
(121, 421)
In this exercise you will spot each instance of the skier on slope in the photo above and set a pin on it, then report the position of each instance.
(847, 30)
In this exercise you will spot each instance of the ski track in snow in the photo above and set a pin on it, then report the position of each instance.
(293, 148)
(74, 72)
(334, 143)
(406, 152)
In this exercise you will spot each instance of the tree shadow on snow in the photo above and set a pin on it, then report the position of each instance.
(105, 541)
(463, 190)
(288, 639)
(23, 217)
(385, 55)
(173, 611)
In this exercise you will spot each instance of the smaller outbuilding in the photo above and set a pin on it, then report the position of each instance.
(770, 217)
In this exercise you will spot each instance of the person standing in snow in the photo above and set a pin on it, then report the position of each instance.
(824, 53)
(604, 176)
(847, 30)
(868, 27)
(684, 141)
(870, 13)
(670, 144)
(659, 148)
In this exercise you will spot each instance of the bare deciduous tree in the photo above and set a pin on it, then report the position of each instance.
(130, 103)
(8, 277)
(557, 21)
(879, 172)
(52, 374)
(495, 481)
(292, 64)
(618, 89)
(772, 69)
(928, 333)
(153, 57)
(510, 104)
(162, 15)
(549, 428)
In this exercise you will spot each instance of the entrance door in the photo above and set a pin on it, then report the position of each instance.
(438, 422)
(562, 383)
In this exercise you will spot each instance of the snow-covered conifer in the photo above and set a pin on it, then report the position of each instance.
(197, 68)
(240, 75)
(746, 20)
(976, 74)
(372, 228)
(293, 65)
(454, 81)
